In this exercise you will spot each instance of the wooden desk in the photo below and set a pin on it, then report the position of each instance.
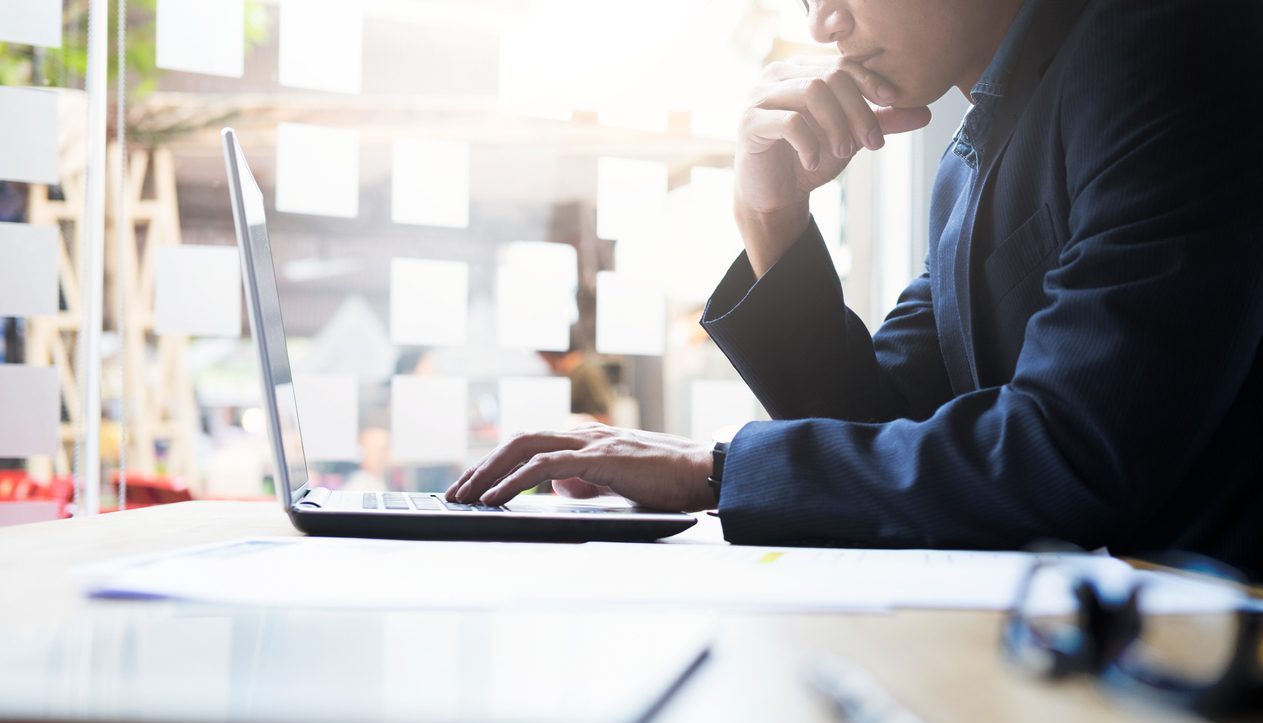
(943, 666)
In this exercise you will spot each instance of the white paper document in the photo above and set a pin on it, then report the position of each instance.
(31, 22)
(197, 291)
(202, 36)
(28, 269)
(28, 135)
(349, 573)
(357, 573)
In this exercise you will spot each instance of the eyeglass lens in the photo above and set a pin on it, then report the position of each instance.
(1065, 622)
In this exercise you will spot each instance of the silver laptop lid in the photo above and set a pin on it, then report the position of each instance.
(265, 324)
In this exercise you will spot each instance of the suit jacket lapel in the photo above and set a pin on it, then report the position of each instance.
(1047, 34)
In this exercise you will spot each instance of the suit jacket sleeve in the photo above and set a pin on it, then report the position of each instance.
(1154, 320)
(805, 354)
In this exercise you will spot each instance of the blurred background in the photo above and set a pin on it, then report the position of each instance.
(488, 216)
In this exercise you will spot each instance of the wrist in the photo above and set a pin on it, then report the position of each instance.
(701, 496)
(769, 234)
(718, 456)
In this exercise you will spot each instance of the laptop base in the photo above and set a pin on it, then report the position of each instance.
(490, 527)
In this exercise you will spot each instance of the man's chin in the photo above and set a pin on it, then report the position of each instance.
(919, 97)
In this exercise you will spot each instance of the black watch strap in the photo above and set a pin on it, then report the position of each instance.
(716, 479)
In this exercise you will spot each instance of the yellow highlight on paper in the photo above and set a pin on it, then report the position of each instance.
(770, 557)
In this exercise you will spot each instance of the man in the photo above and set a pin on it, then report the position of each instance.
(1079, 360)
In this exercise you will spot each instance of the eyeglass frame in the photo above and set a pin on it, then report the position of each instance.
(1109, 625)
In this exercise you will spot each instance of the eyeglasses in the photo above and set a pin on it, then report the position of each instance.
(1068, 620)
(806, 7)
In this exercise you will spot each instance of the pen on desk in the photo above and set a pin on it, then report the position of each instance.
(661, 701)
(858, 696)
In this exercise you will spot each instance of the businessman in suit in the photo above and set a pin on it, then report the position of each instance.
(1080, 359)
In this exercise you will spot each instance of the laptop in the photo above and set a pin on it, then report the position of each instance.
(318, 510)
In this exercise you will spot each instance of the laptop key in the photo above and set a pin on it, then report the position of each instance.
(460, 507)
(425, 502)
(370, 501)
(394, 501)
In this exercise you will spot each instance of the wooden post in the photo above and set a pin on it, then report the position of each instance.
(161, 403)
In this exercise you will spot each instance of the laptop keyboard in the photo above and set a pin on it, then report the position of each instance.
(458, 507)
(423, 502)
(394, 501)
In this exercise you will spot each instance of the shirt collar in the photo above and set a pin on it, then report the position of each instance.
(995, 79)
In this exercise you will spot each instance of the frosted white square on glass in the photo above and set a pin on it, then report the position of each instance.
(699, 237)
(719, 404)
(31, 22)
(429, 420)
(202, 36)
(631, 315)
(536, 283)
(28, 269)
(31, 402)
(629, 194)
(197, 291)
(429, 302)
(533, 404)
(430, 183)
(28, 135)
(328, 414)
(322, 45)
(317, 170)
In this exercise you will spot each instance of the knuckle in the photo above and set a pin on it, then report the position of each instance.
(841, 81)
(751, 116)
(841, 78)
(795, 122)
(817, 89)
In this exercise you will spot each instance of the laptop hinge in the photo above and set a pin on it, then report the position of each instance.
(316, 497)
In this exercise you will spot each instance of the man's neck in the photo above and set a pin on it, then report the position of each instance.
(988, 43)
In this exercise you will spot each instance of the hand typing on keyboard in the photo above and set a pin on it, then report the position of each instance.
(659, 471)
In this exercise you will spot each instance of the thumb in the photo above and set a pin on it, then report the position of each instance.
(902, 120)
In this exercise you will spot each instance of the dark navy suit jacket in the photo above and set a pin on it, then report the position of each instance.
(1095, 376)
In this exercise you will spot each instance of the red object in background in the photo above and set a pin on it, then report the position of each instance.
(142, 491)
(16, 486)
(145, 491)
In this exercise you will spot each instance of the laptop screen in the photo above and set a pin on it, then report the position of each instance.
(265, 319)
